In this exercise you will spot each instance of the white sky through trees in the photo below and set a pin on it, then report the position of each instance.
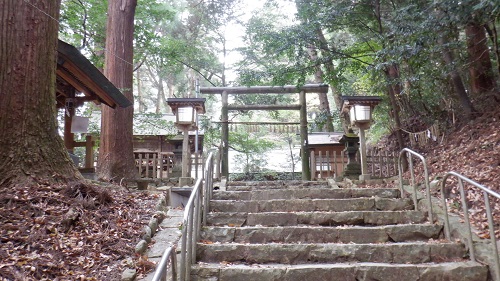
(235, 30)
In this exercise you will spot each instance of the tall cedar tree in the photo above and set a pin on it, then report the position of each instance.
(31, 150)
(480, 69)
(116, 159)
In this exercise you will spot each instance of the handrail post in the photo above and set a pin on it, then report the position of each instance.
(491, 225)
(413, 185)
(194, 216)
(466, 219)
(492, 234)
(426, 180)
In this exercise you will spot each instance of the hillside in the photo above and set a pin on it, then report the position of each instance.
(472, 150)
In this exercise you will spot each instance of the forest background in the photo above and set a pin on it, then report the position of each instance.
(433, 62)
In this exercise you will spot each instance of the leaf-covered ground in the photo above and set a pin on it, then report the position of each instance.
(472, 150)
(73, 232)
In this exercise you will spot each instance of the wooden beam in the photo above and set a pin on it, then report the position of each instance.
(78, 85)
(66, 72)
(264, 107)
(304, 142)
(258, 123)
(288, 89)
(225, 136)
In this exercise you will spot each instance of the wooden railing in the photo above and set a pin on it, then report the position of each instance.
(155, 165)
(160, 165)
(382, 164)
(328, 164)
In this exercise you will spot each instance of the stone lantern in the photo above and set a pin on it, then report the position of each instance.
(185, 110)
(360, 110)
(351, 142)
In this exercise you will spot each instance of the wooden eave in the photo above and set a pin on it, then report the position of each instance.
(82, 75)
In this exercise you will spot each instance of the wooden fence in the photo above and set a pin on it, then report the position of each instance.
(324, 165)
(382, 164)
(162, 165)
(327, 164)
(154, 165)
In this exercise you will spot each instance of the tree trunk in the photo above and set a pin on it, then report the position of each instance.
(456, 80)
(324, 105)
(481, 70)
(31, 150)
(160, 98)
(116, 159)
(393, 91)
(140, 93)
(330, 70)
(495, 42)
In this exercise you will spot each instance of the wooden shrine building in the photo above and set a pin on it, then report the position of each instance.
(326, 152)
(79, 81)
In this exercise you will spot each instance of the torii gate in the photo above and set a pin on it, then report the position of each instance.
(289, 89)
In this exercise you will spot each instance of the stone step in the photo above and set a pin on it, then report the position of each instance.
(309, 205)
(266, 185)
(456, 271)
(316, 218)
(318, 234)
(307, 193)
(412, 252)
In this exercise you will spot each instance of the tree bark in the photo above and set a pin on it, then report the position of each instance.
(330, 70)
(31, 150)
(140, 93)
(324, 105)
(160, 98)
(116, 159)
(456, 79)
(495, 42)
(394, 90)
(480, 69)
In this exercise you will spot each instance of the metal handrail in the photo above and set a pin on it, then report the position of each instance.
(161, 272)
(412, 173)
(193, 218)
(194, 215)
(465, 209)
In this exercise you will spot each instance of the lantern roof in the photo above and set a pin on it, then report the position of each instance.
(349, 101)
(197, 103)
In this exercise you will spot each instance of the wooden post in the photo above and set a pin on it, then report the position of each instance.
(186, 152)
(225, 136)
(328, 164)
(69, 137)
(362, 152)
(313, 166)
(304, 144)
(89, 152)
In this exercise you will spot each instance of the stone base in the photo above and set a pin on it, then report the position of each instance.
(185, 181)
(364, 177)
(352, 171)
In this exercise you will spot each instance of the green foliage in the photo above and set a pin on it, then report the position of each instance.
(251, 148)
(83, 24)
(364, 39)
(154, 124)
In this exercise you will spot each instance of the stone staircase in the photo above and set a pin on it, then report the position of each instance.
(310, 231)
